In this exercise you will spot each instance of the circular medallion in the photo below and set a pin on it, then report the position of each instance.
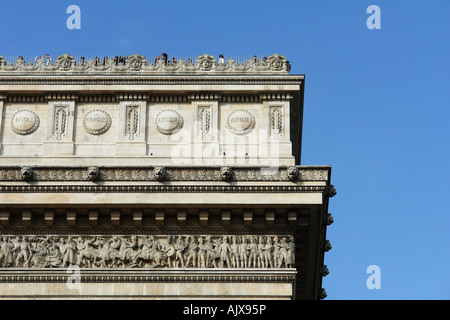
(168, 121)
(240, 122)
(96, 122)
(24, 122)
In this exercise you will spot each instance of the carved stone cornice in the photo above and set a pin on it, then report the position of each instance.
(62, 278)
(154, 80)
(271, 96)
(204, 97)
(136, 64)
(157, 189)
(62, 97)
(301, 173)
(132, 97)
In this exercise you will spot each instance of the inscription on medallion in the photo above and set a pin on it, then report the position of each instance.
(168, 121)
(240, 122)
(25, 122)
(96, 122)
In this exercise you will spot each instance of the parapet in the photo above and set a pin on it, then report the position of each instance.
(138, 64)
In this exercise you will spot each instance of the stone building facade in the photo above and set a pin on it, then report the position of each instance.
(158, 181)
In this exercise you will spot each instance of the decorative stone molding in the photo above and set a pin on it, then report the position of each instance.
(324, 271)
(271, 96)
(240, 122)
(25, 122)
(171, 173)
(158, 189)
(327, 246)
(65, 62)
(25, 98)
(331, 192)
(62, 97)
(93, 173)
(148, 251)
(96, 122)
(226, 173)
(159, 173)
(322, 294)
(137, 64)
(168, 121)
(204, 97)
(26, 173)
(329, 220)
(293, 173)
(132, 96)
(133, 79)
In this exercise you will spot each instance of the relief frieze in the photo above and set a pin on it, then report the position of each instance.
(147, 251)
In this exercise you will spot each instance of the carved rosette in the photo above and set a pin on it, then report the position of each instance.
(25, 122)
(168, 122)
(240, 122)
(96, 122)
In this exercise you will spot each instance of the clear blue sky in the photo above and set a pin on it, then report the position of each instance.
(377, 109)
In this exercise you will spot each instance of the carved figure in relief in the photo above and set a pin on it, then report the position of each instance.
(191, 252)
(86, 252)
(235, 261)
(252, 253)
(104, 254)
(201, 254)
(283, 253)
(23, 258)
(179, 247)
(268, 256)
(260, 261)
(126, 249)
(6, 252)
(54, 257)
(224, 253)
(146, 252)
(276, 252)
(211, 254)
(243, 252)
(290, 255)
(169, 251)
(69, 252)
